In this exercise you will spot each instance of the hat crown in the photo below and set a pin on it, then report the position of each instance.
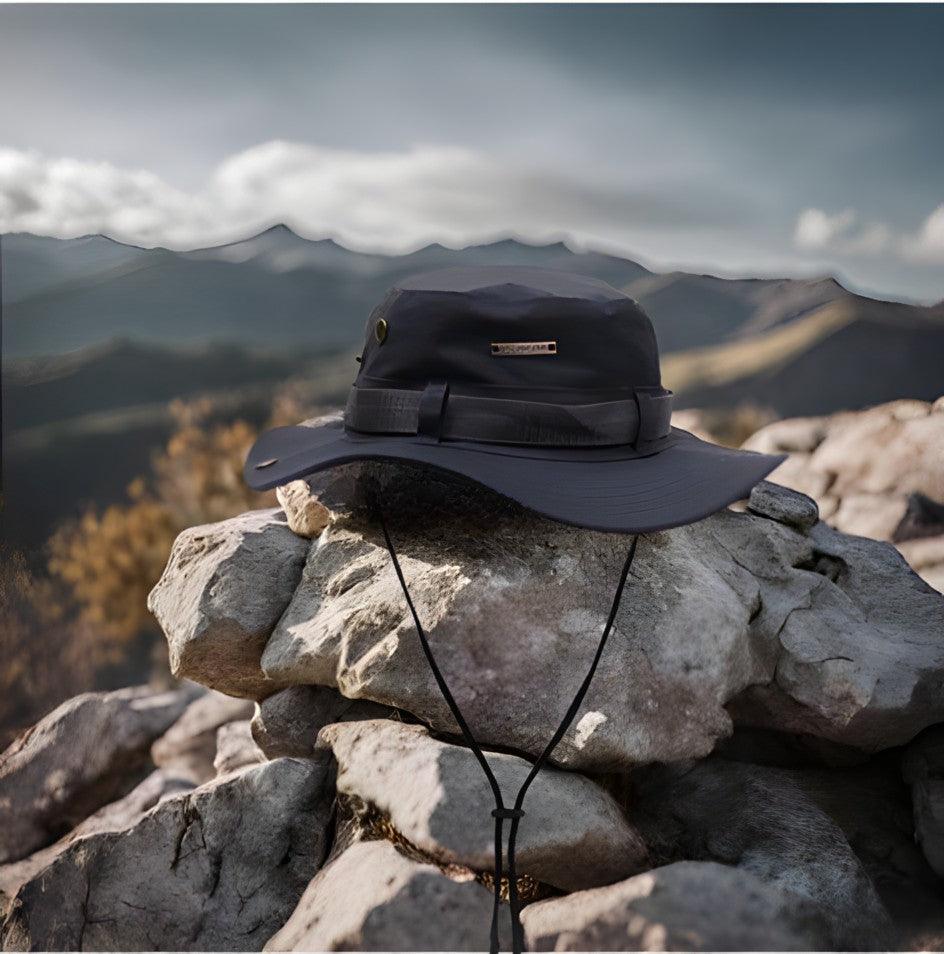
(508, 331)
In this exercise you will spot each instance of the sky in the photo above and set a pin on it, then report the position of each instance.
(740, 140)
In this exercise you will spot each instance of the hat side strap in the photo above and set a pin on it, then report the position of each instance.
(500, 812)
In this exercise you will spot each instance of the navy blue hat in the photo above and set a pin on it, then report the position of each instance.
(541, 385)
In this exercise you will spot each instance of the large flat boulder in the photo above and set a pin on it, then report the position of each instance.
(372, 898)
(686, 906)
(83, 755)
(221, 594)
(436, 796)
(218, 868)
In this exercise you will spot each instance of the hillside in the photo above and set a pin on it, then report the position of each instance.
(848, 354)
(277, 289)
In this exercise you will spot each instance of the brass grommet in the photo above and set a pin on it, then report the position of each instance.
(380, 330)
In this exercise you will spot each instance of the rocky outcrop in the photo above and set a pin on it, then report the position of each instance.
(737, 777)
(801, 628)
(372, 898)
(83, 755)
(877, 473)
(187, 749)
(288, 722)
(223, 591)
(687, 906)
(219, 868)
(436, 797)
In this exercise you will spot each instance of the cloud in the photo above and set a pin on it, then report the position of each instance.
(842, 233)
(386, 201)
(816, 229)
(927, 247)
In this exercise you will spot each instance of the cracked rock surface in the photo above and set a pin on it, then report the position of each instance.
(219, 868)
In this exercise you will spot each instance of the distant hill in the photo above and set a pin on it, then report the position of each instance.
(693, 310)
(275, 289)
(847, 354)
(120, 374)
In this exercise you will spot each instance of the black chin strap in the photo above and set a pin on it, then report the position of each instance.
(500, 812)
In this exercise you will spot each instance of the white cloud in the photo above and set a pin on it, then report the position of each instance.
(841, 233)
(816, 229)
(928, 245)
(387, 201)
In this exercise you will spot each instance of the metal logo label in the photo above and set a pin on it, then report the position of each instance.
(523, 348)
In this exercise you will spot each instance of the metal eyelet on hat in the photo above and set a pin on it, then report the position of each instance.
(380, 330)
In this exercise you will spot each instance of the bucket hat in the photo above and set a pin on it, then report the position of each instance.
(543, 386)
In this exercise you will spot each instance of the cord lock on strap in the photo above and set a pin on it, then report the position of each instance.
(508, 813)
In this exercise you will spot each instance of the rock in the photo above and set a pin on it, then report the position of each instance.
(219, 868)
(763, 820)
(923, 769)
(288, 722)
(788, 507)
(852, 667)
(372, 898)
(813, 633)
(436, 796)
(866, 469)
(224, 589)
(187, 749)
(686, 906)
(306, 515)
(116, 816)
(84, 754)
(236, 748)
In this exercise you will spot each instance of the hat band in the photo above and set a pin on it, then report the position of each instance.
(434, 414)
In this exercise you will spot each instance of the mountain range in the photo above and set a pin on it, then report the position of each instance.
(98, 336)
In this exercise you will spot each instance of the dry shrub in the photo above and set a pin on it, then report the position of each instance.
(109, 560)
(46, 654)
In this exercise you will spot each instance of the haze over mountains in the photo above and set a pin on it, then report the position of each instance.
(98, 336)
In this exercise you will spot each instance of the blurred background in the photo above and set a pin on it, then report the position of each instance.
(199, 206)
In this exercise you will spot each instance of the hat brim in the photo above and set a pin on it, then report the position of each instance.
(607, 488)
